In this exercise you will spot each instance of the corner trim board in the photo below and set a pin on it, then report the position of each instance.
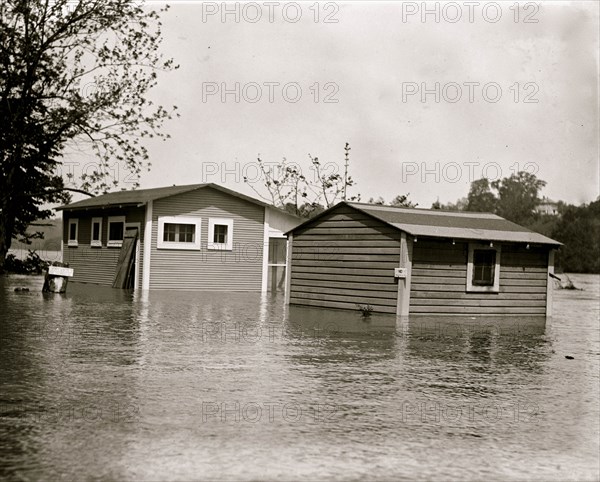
(403, 300)
(288, 268)
(265, 260)
(147, 247)
(549, 283)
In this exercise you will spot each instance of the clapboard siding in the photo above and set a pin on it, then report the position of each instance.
(439, 278)
(92, 265)
(345, 259)
(97, 265)
(345, 305)
(349, 285)
(236, 270)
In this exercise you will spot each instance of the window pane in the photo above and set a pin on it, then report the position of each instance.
(220, 234)
(72, 232)
(169, 231)
(115, 231)
(277, 250)
(186, 233)
(484, 264)
(96, 232)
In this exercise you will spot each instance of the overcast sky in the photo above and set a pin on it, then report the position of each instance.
(527, 80)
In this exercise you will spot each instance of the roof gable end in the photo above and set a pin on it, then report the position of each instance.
(143, 196)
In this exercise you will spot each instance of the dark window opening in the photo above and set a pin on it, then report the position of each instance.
(72, 232)
(484, 266)
(96, 232)
(220, 234)
(115, 231)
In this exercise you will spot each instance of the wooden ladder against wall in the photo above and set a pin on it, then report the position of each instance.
(124, 276)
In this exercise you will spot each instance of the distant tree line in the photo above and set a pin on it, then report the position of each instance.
(578, 227)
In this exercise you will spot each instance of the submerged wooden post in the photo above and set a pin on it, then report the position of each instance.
(56, 279)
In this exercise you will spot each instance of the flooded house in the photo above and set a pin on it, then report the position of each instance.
(193, 237)
(407, 262)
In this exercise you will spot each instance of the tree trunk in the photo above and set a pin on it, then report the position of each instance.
(6, 228)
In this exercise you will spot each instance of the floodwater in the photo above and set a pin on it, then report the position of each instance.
(108, 385)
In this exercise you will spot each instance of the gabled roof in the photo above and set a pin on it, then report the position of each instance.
(447, 224)
(142, 196)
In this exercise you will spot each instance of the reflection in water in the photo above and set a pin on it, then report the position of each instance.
(103, 383)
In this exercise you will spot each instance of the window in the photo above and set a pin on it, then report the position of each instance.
(73, 233)
(178, 232)
(483, 268)
(116, 231)
(220, 234)
(484, 263)
(96, 232)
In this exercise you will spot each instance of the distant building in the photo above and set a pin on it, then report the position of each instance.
(194, 237)
(547, 206)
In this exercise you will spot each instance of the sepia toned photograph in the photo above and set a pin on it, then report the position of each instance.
(299, 241)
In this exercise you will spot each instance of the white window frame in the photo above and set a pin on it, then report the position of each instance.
(228, 246)
(114, 243)
(162, 220)
(73, 242)
(96, 243)
(495, 288)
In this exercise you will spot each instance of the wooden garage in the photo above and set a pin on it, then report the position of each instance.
(407, 261)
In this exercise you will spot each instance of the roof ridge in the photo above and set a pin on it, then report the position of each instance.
(427, 211)
(156, 188)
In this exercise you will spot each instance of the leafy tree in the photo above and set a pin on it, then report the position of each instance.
(459, 205)
(73, 78)
(480, 197)
(518, 196)
(544, 224)
(401, 201)
(514, 198)
(378, 202)
(579, 229)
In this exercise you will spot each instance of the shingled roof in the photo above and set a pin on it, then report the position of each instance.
(448, 224)
(142, 196)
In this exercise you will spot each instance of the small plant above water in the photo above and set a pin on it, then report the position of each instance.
(365, 310)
